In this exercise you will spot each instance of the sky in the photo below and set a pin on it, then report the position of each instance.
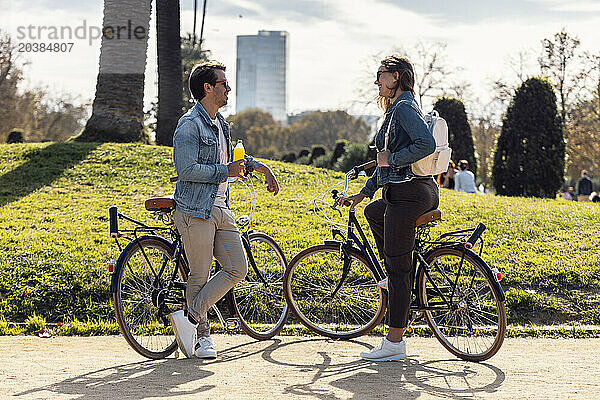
(332, 42)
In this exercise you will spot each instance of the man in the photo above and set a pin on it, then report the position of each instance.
(202, 153)
(584, 186)
(464, 179)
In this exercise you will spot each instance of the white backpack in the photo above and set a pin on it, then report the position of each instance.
(437, 162)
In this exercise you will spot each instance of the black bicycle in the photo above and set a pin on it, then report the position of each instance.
(149, 280)
(336, 289)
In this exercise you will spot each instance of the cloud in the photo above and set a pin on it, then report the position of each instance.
(474, 11)
(268, 10)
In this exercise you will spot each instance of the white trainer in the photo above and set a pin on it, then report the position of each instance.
(386, 351)
(383, 283)
(185, 332)
(205, 348)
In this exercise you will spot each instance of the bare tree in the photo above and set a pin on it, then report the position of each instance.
(558, 53)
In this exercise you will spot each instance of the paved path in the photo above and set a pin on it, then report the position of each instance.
(295, 368)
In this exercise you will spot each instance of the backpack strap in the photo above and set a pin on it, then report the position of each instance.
(387, 133)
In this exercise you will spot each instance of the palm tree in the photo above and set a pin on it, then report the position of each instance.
(117, 111)
(168, 46)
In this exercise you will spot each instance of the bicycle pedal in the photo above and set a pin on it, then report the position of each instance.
(232, 324)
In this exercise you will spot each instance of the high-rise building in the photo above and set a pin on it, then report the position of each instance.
(261, 73)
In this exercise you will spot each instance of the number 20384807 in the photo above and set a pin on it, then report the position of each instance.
(36, 47)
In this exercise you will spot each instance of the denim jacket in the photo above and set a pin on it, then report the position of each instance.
(409, 141)
(196, 155)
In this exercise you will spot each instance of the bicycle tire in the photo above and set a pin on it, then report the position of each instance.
(261, 306)
(134, 287)
(311, 303)
(473, 328)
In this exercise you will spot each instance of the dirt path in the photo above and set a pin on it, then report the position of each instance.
(295, 368)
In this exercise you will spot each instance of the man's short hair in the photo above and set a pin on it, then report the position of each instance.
(201, 74)
(463, 164)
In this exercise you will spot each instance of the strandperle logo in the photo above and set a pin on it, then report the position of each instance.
(84, 31)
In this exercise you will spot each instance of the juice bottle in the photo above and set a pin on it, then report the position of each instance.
(239, 151)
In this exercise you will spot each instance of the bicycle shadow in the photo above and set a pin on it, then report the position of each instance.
(43, 166)
(158, 379)
(408, 379)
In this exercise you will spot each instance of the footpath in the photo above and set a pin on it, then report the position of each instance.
(294, 367)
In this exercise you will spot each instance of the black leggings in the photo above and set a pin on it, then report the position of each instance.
(392, 220)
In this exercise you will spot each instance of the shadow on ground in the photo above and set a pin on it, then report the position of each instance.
(132, 381)
(42, 167)
(315, 376)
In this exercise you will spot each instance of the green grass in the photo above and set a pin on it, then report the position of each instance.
(54, 242)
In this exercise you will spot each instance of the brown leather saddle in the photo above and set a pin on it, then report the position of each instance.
(430, 216)
(164, 204)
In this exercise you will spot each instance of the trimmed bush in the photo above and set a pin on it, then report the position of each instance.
(530, 152)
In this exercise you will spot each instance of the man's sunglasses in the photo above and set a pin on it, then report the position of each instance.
(224, 82)
(380, 72)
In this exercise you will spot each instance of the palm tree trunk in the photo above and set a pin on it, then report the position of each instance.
(118, 108)
(170, 88)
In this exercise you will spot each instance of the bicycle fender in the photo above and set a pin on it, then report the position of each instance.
(114, 281)
(486, 269)
(336, 243)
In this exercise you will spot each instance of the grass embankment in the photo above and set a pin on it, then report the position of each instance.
(54, 241)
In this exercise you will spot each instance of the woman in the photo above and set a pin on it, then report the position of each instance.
(446, 180)
(405, 196)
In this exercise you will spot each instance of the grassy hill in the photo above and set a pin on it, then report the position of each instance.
(54, 242)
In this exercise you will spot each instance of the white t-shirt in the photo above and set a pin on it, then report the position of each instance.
(222, 191)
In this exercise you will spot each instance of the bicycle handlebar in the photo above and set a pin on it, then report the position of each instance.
(475, 235)
(247, 172)
(351, 175)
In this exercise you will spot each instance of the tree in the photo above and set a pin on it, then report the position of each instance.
(170, 88)
(241, 123)
(459, 131)
(191, 54)
(117, 110)
(558, 53)
(326, 128)
(530, 152)
(356, 154)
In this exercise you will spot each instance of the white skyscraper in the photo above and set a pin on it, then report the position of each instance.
(261, 73)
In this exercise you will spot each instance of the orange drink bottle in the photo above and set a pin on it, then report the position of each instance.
(239, 152)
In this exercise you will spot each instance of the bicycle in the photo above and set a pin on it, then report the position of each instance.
(335, 288)
(149, 279)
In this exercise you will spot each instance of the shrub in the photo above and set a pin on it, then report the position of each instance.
(338, 151)
(530, 152)
(16, 136)
(304, 160)
(355, 154)
(317, 151)
(289, 157)
(35, 324)
(323, 161)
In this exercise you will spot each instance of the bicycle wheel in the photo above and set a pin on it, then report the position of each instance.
(467, 317)
(141, 300)
(258, 300)
(310, 284)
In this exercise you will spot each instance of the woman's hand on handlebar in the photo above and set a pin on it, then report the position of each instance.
(351, 201)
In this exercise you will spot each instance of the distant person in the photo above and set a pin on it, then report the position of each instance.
(594, 197)
(203, 154)
(405, 197)
(565, 195)
(446, 179)
(571, 191)
(464, 180)
(584, 186)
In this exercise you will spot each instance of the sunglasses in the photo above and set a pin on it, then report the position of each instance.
(224, 82)
(380, 72)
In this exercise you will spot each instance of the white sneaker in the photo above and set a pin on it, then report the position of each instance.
(386, 351)
(205, 348)
(185, 332)
(383, 283)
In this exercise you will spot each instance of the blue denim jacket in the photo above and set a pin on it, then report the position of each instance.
(197, 162)
(409, 141)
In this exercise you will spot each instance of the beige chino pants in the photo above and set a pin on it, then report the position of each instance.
(202, 239)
